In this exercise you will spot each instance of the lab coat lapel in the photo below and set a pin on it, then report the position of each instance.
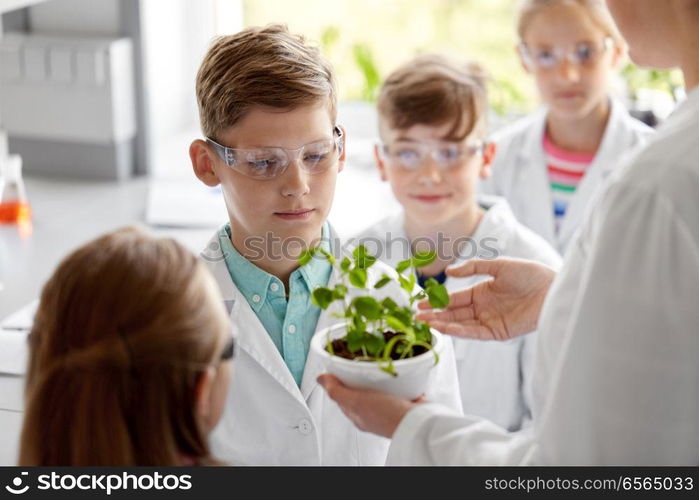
(314, 363)
(616, 139)
(496, 225)
(533, 177)
(250, 334)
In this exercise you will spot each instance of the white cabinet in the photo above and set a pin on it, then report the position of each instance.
(11, 394)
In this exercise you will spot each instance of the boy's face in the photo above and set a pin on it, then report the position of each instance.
(295, 203)
(431, 194)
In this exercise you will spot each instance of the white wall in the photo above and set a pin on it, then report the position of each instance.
(176, 35)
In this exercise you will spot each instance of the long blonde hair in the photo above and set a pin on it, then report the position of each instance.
(125, 327)
(596, 9)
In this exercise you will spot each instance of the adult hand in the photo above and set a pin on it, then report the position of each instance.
(504, 307)
(370, 411)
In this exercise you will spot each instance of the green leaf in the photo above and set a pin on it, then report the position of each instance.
(329, 38)
(362, 258)
(422, 259)
(355, 339)
(395, 324)
(359, 251)
(385, 280)
(368, 307)
(389, 369)
(306, 256)
(437, 294)
(405, 283)
(374, 344)
(339, 292)
(389, 304)
(358, 277)
(404, 314)
(403, 265)
(358, 324)
(355, 344)
(330, 257)
(364, 59)
(345, 264)
(322, 297)
(422, 332)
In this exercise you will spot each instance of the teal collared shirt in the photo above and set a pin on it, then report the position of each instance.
(290, 324)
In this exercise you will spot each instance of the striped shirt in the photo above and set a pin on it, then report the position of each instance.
(565, 170)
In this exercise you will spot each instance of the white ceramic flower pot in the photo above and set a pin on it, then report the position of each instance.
(413, 374)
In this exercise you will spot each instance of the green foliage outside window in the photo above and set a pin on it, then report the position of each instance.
(367, 39)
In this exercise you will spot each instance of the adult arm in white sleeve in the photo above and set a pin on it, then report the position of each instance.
(431, 434)
(624, 388)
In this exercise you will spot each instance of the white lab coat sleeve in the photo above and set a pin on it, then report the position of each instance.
(527, 366)
(431, 434)
(624, 387)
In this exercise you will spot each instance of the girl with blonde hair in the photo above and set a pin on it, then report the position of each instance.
(550, 164)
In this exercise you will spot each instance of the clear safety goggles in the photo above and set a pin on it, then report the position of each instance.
(268, 163)
(584, 54)
(411, 155)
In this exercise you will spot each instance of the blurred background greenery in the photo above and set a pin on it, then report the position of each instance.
(366, 39)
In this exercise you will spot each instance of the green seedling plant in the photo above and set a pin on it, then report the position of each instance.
(367, 318)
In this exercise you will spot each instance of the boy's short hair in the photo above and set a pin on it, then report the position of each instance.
(260, 66)
(433, 90)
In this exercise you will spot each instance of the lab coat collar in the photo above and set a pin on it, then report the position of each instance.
(497, 220)
(253, 281)
(315, 273)
(314, 364)
(496, 224)
(617, 137)
(250, 280)
(534, 176)
(249, 333)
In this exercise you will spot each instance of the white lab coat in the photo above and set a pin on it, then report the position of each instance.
(494, 377)
(520, 175)
(268, 419)
(617, 376)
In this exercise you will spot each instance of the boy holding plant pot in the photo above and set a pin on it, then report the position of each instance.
(267, 104)
(432, 121)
